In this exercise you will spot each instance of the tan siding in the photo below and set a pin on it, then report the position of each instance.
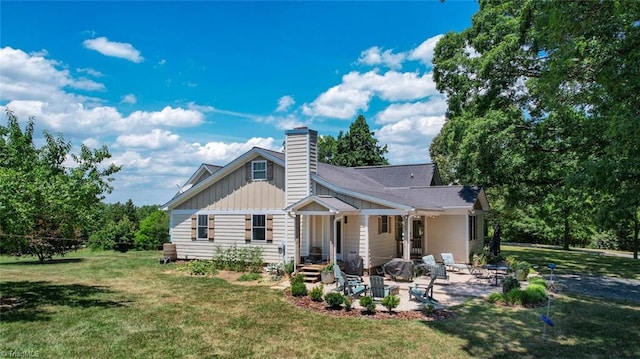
(447, 234)
(382, 247)
(234, 192)
(229, 231)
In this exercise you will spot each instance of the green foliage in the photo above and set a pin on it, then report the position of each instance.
(509, 283)
(316, 293)
(390, 301)
(356, 147)
(328, 268)
(153, 232)
(239, 259)
(368, 304)
(298, 278)
(288, 267)
(46, 201)
(334, 299)
(535, 293)
(198, 267)
(428, 309)
(542, 113)
(249, 277)
(298, 289)
(114, 236)
(538, 281)
(348, 303)
(495, 297)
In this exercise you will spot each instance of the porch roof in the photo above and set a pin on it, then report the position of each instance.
(328, 204)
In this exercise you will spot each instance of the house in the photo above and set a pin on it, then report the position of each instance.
(293, 206)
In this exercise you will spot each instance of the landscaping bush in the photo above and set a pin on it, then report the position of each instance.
(539, 280)
(334, 299)
(288, 267)
(298, 278)
(368, 304)
(509, 283)
(495, 297)
(247, 259)
(348, 303)
(390, 302)
(198, 267)
(316, 293)
(535, 294)
(248, 277)
(515, 297)
(298, 289)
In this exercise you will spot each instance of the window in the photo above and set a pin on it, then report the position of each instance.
(383, 224)
(473, 228)
(259, 170)
(259, 227)
(203, 226)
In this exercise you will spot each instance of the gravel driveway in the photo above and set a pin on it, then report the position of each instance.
(601, 287)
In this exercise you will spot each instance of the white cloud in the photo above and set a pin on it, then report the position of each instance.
(287, 122)
(91, 72)
(31, 77)
(222, 153)
(121, 50)
(200, 108)
(284, 103)
(434, 106)
(373, 56)
(154, 140)
(357, 89)
(129, 98)
(424, 51)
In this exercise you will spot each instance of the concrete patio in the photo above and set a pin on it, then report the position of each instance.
(462, 286)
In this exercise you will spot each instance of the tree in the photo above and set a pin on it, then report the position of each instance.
(154, 231)
(538, 93)
(43, 202)
(356, 147)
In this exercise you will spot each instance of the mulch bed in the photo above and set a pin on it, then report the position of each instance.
(322, 308)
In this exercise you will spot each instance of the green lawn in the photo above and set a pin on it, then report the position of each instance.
(114, 305)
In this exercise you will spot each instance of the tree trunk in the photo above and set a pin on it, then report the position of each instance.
(567, 228)
(636, 228)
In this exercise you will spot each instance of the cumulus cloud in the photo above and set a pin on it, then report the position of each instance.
(284, 103)
(424, 51)
(374, 56)
(121, 50)
(357, 89)
(287, 122)
(91, 72)
(221, 152)
(129, 98)
(408, 139)
(154, 140)
(434, 106)
(30, 77)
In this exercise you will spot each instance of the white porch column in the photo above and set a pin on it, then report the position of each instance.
(408, 232)
(297, 242)
(332, 239)
(366, 260)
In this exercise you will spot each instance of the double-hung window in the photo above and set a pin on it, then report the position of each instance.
(259, 170)
(473, 228)
(203, 226)
(259, 227)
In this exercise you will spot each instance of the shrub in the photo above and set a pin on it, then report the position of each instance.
(316, 293)
(495, 297)
(515, 297)
(198, 267)
(153, 232)
(298, 289)
(334, 299)
(348, 303)
(248, 277)
(535, 294)
(538, 280)
(288, 267)
(298, 278)
(428, 309)
(390, 302)
(368, 304)
(509, 283)
(247, 259)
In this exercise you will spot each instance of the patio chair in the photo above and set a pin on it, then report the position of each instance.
(348, 284)
(423, 293)
(447, 259)
(378, 289)
(422, 267)
(439, 271)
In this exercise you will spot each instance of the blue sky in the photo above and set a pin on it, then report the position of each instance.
(170, 85)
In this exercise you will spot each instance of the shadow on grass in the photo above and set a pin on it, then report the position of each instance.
(49, 261)
(581, 325)
(26, 301)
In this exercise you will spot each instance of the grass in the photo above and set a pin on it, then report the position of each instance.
(115, 305)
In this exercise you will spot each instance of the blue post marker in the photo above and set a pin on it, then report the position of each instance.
(545, 318)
